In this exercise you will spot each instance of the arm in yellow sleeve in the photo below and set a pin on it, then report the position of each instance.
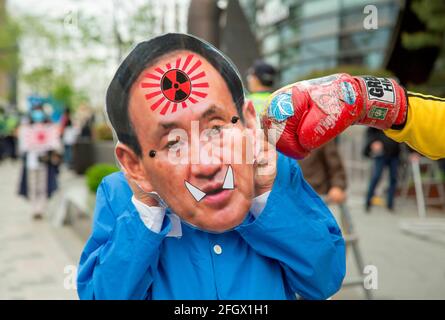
(424, 130)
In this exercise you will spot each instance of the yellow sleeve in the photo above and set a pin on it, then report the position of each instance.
(424, 130)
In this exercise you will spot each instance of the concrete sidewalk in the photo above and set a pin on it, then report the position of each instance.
(33, 254)
(409, 266)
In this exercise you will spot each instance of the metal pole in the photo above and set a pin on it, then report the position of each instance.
(421, 210)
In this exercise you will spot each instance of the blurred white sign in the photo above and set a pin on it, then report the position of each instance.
(39, 137)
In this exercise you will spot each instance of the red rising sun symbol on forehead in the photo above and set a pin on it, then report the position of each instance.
(180, 85)
(176, 85)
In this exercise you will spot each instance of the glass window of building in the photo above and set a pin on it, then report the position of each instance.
(374, 60)
(320, 27)
(320, 34)
(271, 43)
(318, 7)
(320, 48)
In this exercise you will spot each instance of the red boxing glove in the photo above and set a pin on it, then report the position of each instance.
(305, 115)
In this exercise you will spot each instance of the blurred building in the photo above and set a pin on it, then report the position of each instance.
(301, 36)
(224, 24)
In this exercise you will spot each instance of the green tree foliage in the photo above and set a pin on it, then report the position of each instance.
(435, 84)
(46, 82)
(40, 79)
(133, 25)
(431, 13)
(96, 173)
(9, 57)
(9, 32)
(65, 93)
(53, 75)
(60, 43)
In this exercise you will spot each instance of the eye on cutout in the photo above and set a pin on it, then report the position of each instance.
(235, 119)
(152, 153)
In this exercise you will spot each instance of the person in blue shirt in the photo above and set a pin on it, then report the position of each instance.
(219, 215)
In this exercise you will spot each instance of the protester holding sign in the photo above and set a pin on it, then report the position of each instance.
(39, 143)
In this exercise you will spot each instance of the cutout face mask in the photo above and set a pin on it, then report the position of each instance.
(181, 109)
(182, 84)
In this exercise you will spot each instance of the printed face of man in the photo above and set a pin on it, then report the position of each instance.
(183, 92)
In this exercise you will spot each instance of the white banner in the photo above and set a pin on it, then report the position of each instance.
(39, 137)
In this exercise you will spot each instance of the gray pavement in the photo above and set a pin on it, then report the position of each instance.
(34, 255)
(409, 265)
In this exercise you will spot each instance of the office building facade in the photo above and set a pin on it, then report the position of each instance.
(300, 36)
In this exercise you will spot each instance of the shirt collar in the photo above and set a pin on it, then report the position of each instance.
(176, 230)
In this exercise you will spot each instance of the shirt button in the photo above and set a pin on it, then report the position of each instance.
(217, 249)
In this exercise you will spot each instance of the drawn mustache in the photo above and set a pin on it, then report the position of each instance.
(198, 194)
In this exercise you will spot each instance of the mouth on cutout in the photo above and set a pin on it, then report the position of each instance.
(215, 193)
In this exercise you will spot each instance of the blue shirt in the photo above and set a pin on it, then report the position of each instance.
(293, 247)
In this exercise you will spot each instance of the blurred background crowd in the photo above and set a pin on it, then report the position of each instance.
(57, 58)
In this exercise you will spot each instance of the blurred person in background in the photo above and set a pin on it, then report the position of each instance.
(64, 119)
(2, 133)
(324, 171)
(85, 118)
(69, 137)
(69, 134)
(10, 135)
(40, 168)
(260, 83)
(385, 153)
(442, 167)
